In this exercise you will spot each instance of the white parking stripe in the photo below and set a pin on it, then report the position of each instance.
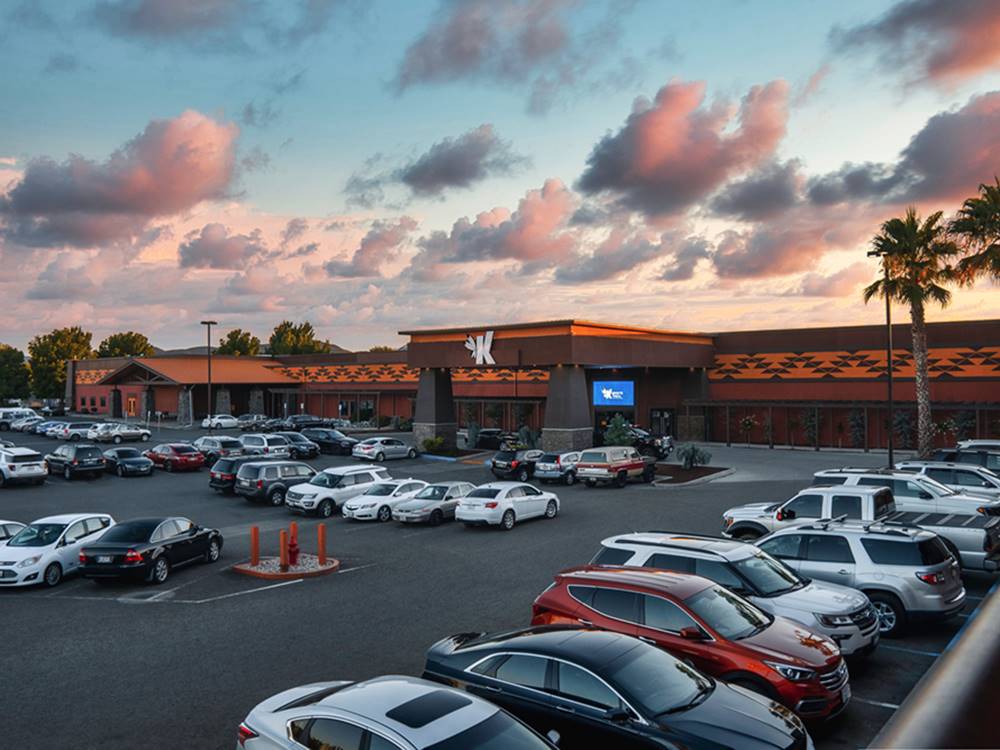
(238, 593)
(880, 704)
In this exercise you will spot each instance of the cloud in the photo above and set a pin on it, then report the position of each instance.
(381, 245)
(64, 278)
(214, 247)
(812, 85)
(842, 283)
(954, 151)
(941, 42)
(261, 115)
(294, 229)
(168, 168)
(674, 151)
(165, 19)
(28, 14)
(686, 255)
(618, 254)
(763, 194)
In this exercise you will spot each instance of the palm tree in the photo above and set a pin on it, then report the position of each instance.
(978, 228)
(915, 264)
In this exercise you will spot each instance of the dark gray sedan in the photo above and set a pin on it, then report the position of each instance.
(127, 462)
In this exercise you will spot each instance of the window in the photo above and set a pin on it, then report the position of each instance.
(94, 524)
(528, 671)
(330, 734)
(719, 572)
(530, 491)
(303, 471)
(83, 401)
(412, 487)
(489, 666)
(104, 401)
(377, 742)
(583, 594)
(944, 476)
(621, 605)
(515, 492)
(364, 478)
(968, 478)
(806, 506)
(76, 532)
(271, 472)
(878, 482)
(93, 401)
(289, 471)
(579, 685)
(663, 615)
(183, 525)
(831, 480)
(832, 549)
(787, 547)
(846, 505)
(164, 531)
(730, 616)
(886, 552)
(612, 556)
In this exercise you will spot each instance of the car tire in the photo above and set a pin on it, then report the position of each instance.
(746, 535)
(117, 439)
(380, 457)
(3, 479)
(411, 453)
(621, 479)
(522, 475)
(570, 478)
(891, 613)
(214, 551)
(74, 437)
(169, 466)
(160, 572)
(120, 471)
(277, 497)
(144, 437)
(508, 520)
(53, 575)
(552, 509)
(436, 518)
(384, 514)
(325, 509)
(67, 474)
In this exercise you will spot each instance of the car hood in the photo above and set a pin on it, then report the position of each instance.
(16, 554)
(823, 598)
(734, 717)
(785, 640)
(750, 510)
(418, 504)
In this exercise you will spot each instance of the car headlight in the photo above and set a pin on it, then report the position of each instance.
(29, 561)
(789, 672)
(366, 506)
(833, 621)
(308, 497)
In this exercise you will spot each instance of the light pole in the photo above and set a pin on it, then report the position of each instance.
(208, 332)
(884, 257)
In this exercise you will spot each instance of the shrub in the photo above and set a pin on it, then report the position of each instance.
(527, 437)
(405, 425)
(473, 432)
(433, 445)
(618, 432)
(747, 425)
(384, 421)
(857, 423)
(690, 456)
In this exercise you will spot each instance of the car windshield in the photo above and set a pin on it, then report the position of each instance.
(325, 480)
(37, 535)
(499, 732)
(336, 435)
(484, 492)
(432, 492)
(128, 453)
(88, 453)
(131, 532)
(768, 575)
(224, 465)
(656, 682)
(727, 614)
(380, 489)
(592, 457)
(180, 449)
(934, 486)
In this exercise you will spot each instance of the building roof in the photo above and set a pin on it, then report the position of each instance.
(556, 327)
(194, 370)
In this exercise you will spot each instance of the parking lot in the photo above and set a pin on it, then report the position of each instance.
(181, 665)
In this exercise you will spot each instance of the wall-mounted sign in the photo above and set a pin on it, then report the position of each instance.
(614, 393)
(480, 348)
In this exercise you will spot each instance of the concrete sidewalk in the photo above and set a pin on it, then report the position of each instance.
(762, 464)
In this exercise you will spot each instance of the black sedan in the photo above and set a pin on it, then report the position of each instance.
(330, 440)
(601, 689)
(127, 462)
(147, 549)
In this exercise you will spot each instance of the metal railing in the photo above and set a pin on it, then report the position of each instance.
(954, 704)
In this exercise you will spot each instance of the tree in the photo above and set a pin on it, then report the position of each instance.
(49, 353)
(977, 227)
(14, 374)
(125, 344)
(618, 432)
(383, 348)
(288, 338)
(915, 268)
(239, 342)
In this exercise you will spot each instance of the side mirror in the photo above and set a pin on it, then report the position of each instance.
(617, 715)
(691, 633)
(785, 515)
(553, 736)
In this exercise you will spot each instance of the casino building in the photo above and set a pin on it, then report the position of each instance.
(804, 387)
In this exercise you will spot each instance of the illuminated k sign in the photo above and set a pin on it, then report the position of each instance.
(479, 348)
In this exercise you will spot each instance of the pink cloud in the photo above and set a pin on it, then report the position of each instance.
(381, 245)
(214, 247)
(842, 283)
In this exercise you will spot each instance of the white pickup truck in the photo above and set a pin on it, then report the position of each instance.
(971, 534)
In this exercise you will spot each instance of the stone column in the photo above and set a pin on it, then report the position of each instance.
(185, 409)
(256, 401)
(223, 402)
(146, 404)
(568, 425)
(434, 415)
(116, 404)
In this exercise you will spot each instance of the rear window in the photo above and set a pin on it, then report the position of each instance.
(229, 443)
(88, 453)
(612, 556)
(180, 449)
(130, 532)
(24, 459)
(886, 552)
(592, 457)
(506, 455)
(224, 465)
(548, 458)
(483, 492)
(276, 441)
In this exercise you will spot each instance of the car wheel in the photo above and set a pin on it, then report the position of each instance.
(746, 535)
(570, 478)
(74, 437)
(522, 475)
(436, 518)
(384, 514)
(551, 509)
(380, 457)
(144, 437)
(3, 479)
(508, 520)
(890, 612)
(621, 480)
(169, 466)
(67, 474)
(277, 497)
(214, 551)
(411, 453)
(53, 575)
(161, 571)
(120, 471)
(117, 439)
(325, 509)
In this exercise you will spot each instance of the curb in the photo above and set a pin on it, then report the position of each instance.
(332, 566)
(659, 484)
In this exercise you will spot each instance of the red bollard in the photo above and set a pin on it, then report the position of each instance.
(293, 546)
(321, 543)
(255, 546)
(283, 542)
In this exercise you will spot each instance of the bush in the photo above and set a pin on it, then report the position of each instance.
(690, 456)
(527, 437)
(384, 421)
(405, 425)
(618, 432)
(473, 435)
(433, 445)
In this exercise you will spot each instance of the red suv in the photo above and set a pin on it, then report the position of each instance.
(176, 457)
(709, 627)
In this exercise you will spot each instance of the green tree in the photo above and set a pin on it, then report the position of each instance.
(125, 344)
(618, 432)
(14, 374)
(383, 348)
(239, 342)
(49, 353)
(288, 338)
(915, 269)
(977, 227)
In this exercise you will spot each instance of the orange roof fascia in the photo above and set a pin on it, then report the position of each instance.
(564, 328)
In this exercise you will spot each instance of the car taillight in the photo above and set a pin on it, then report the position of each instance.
(514, 464)
(558, 461)
(244, 733)
(260, 484)
(133, 557)
(491, 505)
(12, 467)
(228, 476)
(75, 462)
(780, 515)
(931, 578)
(83, 557)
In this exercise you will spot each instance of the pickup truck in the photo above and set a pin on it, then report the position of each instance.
(614, 465)
(972, 536)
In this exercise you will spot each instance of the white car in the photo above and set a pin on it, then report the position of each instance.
(379, 500)
(965, 478)
(381, 448)
(22, 465)
(331, 488)
(220, 422)
(9, 529)
(505, 503)
(9, 416)
(979, 445)
(46, 550)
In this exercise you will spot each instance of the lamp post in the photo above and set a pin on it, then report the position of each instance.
(208, 332)
(883, 256)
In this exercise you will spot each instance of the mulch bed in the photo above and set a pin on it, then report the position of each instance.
(678, 474)
(270, 568)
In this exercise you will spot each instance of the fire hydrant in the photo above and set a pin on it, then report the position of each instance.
(293, 547)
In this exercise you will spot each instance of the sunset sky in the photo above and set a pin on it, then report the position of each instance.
(379, 165)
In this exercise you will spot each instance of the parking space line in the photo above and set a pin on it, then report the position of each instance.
(880, 704)
(356, 567)
(238, 593)
(933, 654)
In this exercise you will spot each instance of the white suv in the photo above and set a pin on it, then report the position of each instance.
(911, 492)
(965, 478)
(331, 488)
(9, 416)
(21, 465)
(380, 499)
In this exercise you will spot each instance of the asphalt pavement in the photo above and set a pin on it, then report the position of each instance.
(125, 666)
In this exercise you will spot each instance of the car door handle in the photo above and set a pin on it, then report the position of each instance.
(647, 640)
(588, 623)
(565, 709)
(843, 572)
(491, 688)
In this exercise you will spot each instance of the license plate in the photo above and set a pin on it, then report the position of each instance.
(244, 483)
(104, 558)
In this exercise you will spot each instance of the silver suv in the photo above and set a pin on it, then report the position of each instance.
(972, 480)
(838, 612)
(908, 573)
(331, 488)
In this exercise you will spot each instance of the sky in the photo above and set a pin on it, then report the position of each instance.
(374, 166)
